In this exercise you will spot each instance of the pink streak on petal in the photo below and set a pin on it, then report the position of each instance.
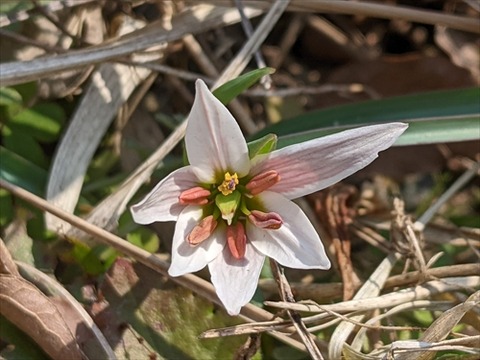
(161, 204)
(187, 258)
(316, 164)
(235, 280)
(296, 243)
(213, 139)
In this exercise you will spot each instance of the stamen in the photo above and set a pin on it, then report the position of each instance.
(202, 230)
(237, 240)
(194, 196)
(263, 220)
(262, 182)
(229, 183)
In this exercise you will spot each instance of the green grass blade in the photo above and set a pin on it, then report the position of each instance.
(21, 172)
(231, 89)
(435, 117)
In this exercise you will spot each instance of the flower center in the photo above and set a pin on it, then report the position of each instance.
(229, 183)
(233, 201)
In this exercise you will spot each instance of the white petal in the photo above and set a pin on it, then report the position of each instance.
(316, 164)
(187, 258)
(161, 204)
(236, 280)
(296, 244)
(214, 141)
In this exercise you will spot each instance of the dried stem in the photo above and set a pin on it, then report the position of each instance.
(287, 295)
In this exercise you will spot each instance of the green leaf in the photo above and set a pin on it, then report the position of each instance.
(231, 89)
(42, 121)
(24, 145)
(145, 239)
(96, 260)
(21, 172)
(434, 117)
(28, 91)
(264, 145)
(6, 207)
(11, 103)
(9, 96)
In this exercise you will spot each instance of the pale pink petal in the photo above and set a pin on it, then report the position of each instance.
(235, 280)
(316, 164)
(214, 141)
(187, 258)
(295, 244)
(161, 204)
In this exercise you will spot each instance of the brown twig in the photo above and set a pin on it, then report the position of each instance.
(287, 296)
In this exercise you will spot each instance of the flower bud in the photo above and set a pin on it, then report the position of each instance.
(202, 230)
(262, 182)
(237, 240)
(263, 220)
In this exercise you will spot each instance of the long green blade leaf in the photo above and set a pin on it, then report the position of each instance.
(231, 89)
(22, 172)
(435, 117)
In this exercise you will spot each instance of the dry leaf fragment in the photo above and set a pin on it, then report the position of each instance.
(442, 327)
(7, 266)
(31, 311)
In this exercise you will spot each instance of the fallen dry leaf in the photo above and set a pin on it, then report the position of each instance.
(7, 266)
(31, 311)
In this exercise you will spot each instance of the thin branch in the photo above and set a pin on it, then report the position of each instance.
(371, 9)
(248, 29)
(287, 295)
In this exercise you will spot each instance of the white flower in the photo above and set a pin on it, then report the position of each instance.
(232, 211)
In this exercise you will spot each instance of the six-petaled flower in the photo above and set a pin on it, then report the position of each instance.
(232, 211)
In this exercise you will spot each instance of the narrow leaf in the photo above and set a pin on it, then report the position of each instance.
(264, 145)
(21, 172)
(434, 117)
(231, 89)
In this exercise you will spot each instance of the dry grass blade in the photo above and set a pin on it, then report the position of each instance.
(195, 19)
(286, 295)
(376, 10)
(111, 86)
(201, 287)
(405, 348)
(370, 289)
(286, 326)
(254, 328)
(442, 326)
(389, 300)
(7, 19)
(236, 66)
(361, 336)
